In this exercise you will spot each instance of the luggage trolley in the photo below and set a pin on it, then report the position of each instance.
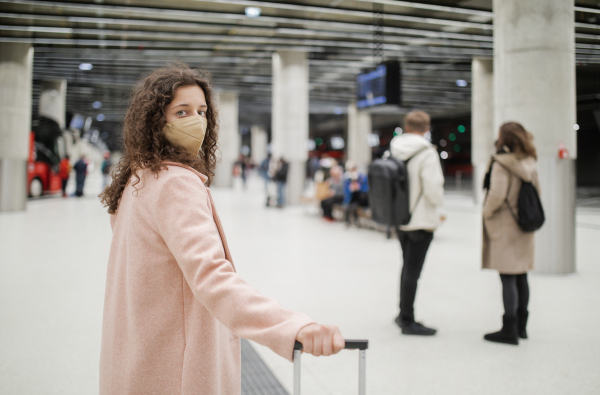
(360, 345)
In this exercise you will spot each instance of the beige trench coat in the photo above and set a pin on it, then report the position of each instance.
(506, 248)
(175, 308)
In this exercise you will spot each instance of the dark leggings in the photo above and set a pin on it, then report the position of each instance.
(515, 293)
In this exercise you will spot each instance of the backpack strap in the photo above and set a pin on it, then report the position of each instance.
(420, 194)
(488, 176)
(508, 191)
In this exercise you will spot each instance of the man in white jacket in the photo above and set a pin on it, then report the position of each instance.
(426, 188)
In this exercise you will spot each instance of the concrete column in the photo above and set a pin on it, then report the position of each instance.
(229, 138)
(359, 128)
(259, 142)
(482, 122)
(290, 117)
(534, 84)
(16, 65)
(53, 101)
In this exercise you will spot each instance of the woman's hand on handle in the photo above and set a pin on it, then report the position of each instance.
(319, 339)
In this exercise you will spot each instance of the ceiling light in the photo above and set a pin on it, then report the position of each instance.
(97, 104)
(461, 83)
(252, 12)
(100, 117)
(86, 66)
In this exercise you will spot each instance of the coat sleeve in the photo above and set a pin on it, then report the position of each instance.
(185, 221)
(496, 195)
(432, 180)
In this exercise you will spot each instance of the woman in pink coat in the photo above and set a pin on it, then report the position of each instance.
(175, 308)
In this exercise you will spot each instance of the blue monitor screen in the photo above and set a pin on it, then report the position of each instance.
(371, 87)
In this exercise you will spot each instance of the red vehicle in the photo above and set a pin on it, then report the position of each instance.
(42, 169)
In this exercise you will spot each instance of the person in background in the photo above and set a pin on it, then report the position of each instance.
(80, 174)
(506, 248)
(356, 191)
(280, 179)
(106, 165)
(64, 171)
(243, 169)
(264, 172)
(426, 186)
(336, 192)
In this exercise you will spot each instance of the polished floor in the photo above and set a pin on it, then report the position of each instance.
(53, 266)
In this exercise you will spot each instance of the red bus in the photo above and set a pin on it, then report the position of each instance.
(44, 158)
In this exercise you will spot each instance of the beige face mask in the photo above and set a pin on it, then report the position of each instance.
(187, 133)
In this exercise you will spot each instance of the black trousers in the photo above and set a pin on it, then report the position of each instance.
(414, 249)
(79, 181)
(64, 186)
(515, 293)
(327, 205)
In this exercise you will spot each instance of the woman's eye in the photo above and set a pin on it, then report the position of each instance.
(202, 113)
(181, 113)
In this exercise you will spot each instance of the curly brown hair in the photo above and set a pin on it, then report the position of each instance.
(144, 144)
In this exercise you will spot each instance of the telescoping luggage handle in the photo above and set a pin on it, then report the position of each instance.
(360, 345)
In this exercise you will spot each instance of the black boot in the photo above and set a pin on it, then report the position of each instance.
(508, 333)
(522, 324)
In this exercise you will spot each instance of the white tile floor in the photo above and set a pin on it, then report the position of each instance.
(52, 273)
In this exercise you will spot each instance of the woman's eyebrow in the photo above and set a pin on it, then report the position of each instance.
(181, 105)
(187, 105)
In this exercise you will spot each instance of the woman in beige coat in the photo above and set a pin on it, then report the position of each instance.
(175, 308)
(506, 248)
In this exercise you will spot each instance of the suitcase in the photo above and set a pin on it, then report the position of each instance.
(360, 345)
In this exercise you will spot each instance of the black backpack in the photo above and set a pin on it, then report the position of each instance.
(389, 191)
(530, 216)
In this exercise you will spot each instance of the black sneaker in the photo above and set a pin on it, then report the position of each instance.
(414, 328)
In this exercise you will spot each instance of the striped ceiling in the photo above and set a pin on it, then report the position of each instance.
(434, 40)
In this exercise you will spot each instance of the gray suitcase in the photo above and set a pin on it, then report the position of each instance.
(360, 345)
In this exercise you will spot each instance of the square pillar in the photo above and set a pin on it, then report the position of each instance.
(53, 101)
(290, 117)
(16, 67)
(359, 128)
(482, 122)
(229, 138)
(534, 84)
(259, 142)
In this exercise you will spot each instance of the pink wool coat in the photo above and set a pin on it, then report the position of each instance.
(175, 308)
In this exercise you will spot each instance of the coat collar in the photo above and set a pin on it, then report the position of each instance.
(522, 167)
(202, 176)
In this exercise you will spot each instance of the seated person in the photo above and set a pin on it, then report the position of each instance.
(356, 188)
(335, 192)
